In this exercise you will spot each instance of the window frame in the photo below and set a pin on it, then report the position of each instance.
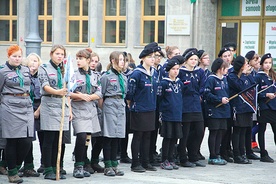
(45, 17)
(81, 18)
(156, 18)
(116, 18)
(10, 18)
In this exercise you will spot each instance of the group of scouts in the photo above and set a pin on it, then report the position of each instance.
(181, 98)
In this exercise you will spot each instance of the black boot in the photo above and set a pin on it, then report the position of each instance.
(265, 157)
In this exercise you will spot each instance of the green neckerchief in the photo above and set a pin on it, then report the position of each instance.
(88, 85)
(121, 81)
(59, 77)
(21, 79)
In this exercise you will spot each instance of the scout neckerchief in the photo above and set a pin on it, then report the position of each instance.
(32, 95)
(59, 74)
(87, 77)
(17, 70)
(121, 81)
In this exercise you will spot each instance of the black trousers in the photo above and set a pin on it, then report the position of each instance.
(80, 148)
(16, 151)
(50, 148)
(238, 140)
(96, 147)
(40, 135)
(261, 135)
(110, 148)
(214, 141)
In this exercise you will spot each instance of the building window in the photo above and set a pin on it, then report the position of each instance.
(77, 21)
(8, 21)
(45, 20)
(153, 21)
(114, 22)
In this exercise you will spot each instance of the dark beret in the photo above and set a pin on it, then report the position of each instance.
(149, 49)
(180, 59)
(238, 63)
(188, 50)
(222, 50)
(190, 54)
(216, 65)
(231, 44)
(171, 63)
(264, 57)
(200, 53)
(249, 55)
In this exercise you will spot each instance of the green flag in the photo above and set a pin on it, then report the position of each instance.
(193, 1)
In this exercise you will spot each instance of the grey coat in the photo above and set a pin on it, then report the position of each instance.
(17, 116)
(85, 118)
(51, 106)
(114, 118)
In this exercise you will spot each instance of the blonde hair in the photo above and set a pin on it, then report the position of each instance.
(169, 50)
(27, 60)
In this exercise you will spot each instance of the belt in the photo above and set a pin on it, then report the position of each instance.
(115, 96)
(54, 96)
(19, 94)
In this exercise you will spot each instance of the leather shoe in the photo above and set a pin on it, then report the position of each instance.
(266, 158)
(126, 160)
(187, 164)
(199, 164)
(239, 160)
(50, 176)
(253, 156)
(149, 167)
(138, 168)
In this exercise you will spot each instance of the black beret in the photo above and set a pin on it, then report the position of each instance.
(238, 63)
(216, 65)
(231, 44)
(171, 63)
(180, 59)
(190, 54)
(188, 50)
(249, 55)
(149, 49)
(200, 53)
(264, 57)
(222, 50)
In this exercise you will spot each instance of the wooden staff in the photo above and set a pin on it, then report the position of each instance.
(60, 135)
(234, 96)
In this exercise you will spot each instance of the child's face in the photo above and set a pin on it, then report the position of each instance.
(267, 64)
(254, 62)
(174, 71)
(121, 62)
(192, 61)
(222, 71)
(33, 63)
(205, 61)
(93, 63)
(82, 62)
(227, 56)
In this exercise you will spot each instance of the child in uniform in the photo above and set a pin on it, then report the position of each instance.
(216, 92)
(114, 86)
(169, 94)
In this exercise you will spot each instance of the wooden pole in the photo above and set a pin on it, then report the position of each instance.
(60, 135)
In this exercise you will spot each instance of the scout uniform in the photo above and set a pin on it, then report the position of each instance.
(50, 110)
(85, 113)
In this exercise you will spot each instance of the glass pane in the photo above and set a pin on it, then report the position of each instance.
(229, 33)
(49, 30)
(148, 31)
(41, 29)
(161, 31)
(149, 7)
(85, 7)
(4, 7)
(111, 7)
(110, 31)
(14, 30)
(161, 9)
(74, 31)
(4, 30)
(74, 7)
(122, 7)
(122, 32)
(14, 7)
(49, 7)
(41, 7)
(230, 8)
(85, 31)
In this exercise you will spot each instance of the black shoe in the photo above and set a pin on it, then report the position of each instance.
(230, 153)
(62, 171)
(98, 168)
(200, 156)
(149, 167)
(256, 149)
(227, 158)
(239, 160)
(30, 173)
(253, 156)
(88, 168)
(246, 159)
(138, 168)
(126, 160)
(62, 177)
(199, 164)
(266, 159)
(50, 176)
(187, 164)
(155, 163)
(40, 169)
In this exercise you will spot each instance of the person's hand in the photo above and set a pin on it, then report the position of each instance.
(270, 95)
(36, 114)
(61, 92)
(225, 100)
(84, 97)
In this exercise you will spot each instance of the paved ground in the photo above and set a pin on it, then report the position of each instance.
(257, 172)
